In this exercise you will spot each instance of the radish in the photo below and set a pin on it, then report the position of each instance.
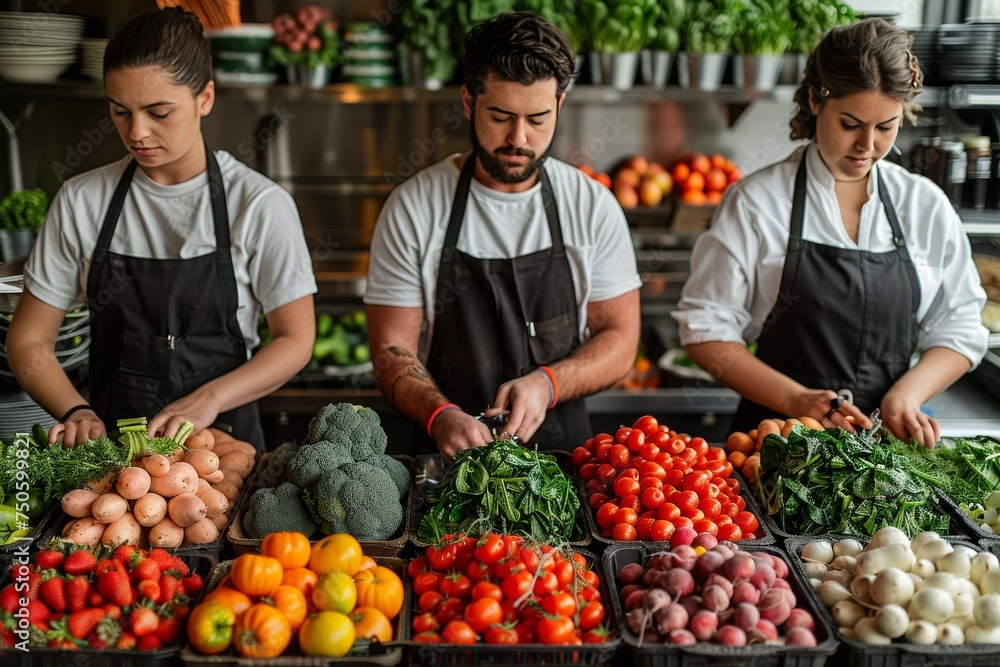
(704, 624)
(800, 618)
(745, 616)
(628, 590)
(767, 630)
(706, 541)
(678, 583)
(635, 599)
(718, 580)
(681, 638)
(730, 635)
(714, 598)
(670, 618)
(745, 592)
(708, 563)
(738, 568)
(631, 574)
(800, 636)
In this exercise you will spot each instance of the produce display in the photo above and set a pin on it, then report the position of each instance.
(120, 599)
(701, 179)
(650, 483)
(639, 181)
(340, 342)
(339, 481)
(502, 589)
(894, 590)
(298, 598)
(181, 497)
(503, 487)
(713, 592)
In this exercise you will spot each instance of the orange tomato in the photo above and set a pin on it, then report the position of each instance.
(339, 552)
(380, 588)
(302, 578)
(257, 576)
(230, 598)
(371, 623)
(603, 179)
(680, 173)
(262, 632)
(713, 197)
(735, 175)
(289, 548)
(700, 164)
(716, 180)
(587, 169)
(718, 161)
(367, 563)
(696, 181)
(210, 627)
(292, 603)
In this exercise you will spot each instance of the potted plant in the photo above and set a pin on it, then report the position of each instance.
(617, 30)
(663, 38)
(811, 20)
(706, 40)
(307, 44)
(21, 216)
(562, 14)
(427, 56)
(763, 36)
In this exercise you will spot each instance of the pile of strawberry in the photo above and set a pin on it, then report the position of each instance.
(124, 599)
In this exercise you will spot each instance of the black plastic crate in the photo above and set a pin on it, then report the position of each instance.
(962, 520)
(704, 654)
(595, 655)
(202, 564)
(32, 542)
(361, 655)
(418, 506)
(898, 654)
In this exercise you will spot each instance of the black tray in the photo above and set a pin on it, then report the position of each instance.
(706, 654)
(32, 542)
(897, 654)
(962, 520)
(417, 507)
(595, 655)
(201, 563)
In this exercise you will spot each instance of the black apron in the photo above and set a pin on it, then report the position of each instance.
(845, 319)
(161, 328)
(500, 319)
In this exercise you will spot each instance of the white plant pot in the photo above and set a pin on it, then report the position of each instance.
(757, 72)
(577, 70)
(614, 69)
(314, 77)
(655, 67)
(702, 71)
(14, 244)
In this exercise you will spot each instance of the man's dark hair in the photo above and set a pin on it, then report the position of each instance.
(517, 46)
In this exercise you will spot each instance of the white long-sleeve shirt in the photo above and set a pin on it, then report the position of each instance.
(737, 264)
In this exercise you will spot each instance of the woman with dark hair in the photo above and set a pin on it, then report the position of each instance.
(502, 279)
(175, 249)
(854, 276)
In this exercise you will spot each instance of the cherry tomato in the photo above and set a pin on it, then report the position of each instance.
(649, 450)
(596, 500)
(565, 572)
(674, 445)
(689, 456)
(559, 603)
(668, 511)
(427, 638)
(631, 502)
(501, 634)
(650, 483)
(530, 559)
(580, 456)
(696, 481)
(622, 434)
(687, 501)
(591, 615)
(555, 630)
(643, 528)
(429, 601)
(466, 553)
(624, 532)
(746, 521)
(456, 586)
(458, 632)
(699, 445)
(588, 444)
(417, 566)
(602, 451)
(647, 424)
(483, 613)
(652, 498)
(730, 531)
(426, 581)
(695, 515)
(619, 456)
(477, 571)
(661, 530)
(442, 556)
(485, 589)
(674, 477)
(491, 548)
(711, 507)
(449, 609)
(545, 584)
(425, 623)
(652, 469)
(526, 631)
(706, 526)
(587, 471)
(682, 522)
(626, 486)
(636, 439)
(517, 584)
(508, 566)
(607, 473)
(606, 515)
(715, 455)
(626, 515)
(603, 438)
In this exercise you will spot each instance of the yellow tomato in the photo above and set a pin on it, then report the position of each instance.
(328, 633)
(290, 548)
(336, 553)
(371, 623)
(381, 588)
(335, 591)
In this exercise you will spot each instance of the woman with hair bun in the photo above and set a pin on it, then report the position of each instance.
(854, 276)
(175, 249)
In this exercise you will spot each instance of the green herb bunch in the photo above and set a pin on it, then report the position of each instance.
(425, 26)
(506, 488)
(23, 210)
(617, 26)
(709, 26)
(663, 30)
(764, 28)
(813, 18)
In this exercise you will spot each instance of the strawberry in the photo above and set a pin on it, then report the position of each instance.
(106, 565)
(181, 611)
(169, 630)
(49, 558)
(146, 570)
(10, 599)
(112, 610)
(78, 591)
(180, 566)
(192, 584)
(94, 599)
(34, 584)
(53, 593)
(80, 561)
(7, 638)
(65, 644)
(149, 643)
(124, 553)
(149, 590)
(143, 621)
(96, 643)
(162, 558)
(38, 612)
(126, 642)
(169, 586)
(114, 586)
(82, 623)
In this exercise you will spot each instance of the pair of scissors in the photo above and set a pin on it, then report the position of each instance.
(496, 424)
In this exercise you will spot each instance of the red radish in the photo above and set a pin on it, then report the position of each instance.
(708, 563)
(628, 590)
(730, 635)
(674, 617)
(704, 624)
(724, 550)
(636, 620)
(800, 636)
(739, 568)
(745, 592)
(800, 618)
(774, 606)
(714, 598)
(718, 580)
(681, 638)
(631, 574)
(692, 604)
(745, 616)
(782, 584)
(635, 599)
(706, 541)
(678, 583)
(763, 575)
(683, 555)
(767, 629)
(683, 536)
(780, 567)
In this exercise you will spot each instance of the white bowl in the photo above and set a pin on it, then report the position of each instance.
(33, 73)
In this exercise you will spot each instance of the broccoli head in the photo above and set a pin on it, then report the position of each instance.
(360, 425)
(356, 498)
(312, 461)
(398, 472)
(276, 509)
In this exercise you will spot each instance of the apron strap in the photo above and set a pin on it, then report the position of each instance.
(799, 199)
(111, 216)
(900, 241)
(223, 253)
(551, 211)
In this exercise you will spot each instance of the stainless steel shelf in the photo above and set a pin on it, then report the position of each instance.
(980, 223)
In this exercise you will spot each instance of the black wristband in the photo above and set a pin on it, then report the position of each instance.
(75, 408)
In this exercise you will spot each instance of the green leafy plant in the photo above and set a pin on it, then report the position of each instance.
(23, 210)
(424, 26)
(709, 26)
(764, 28)
(617, 26)
(813, 18)
(563, 15)
(663, 30)
(307, 39)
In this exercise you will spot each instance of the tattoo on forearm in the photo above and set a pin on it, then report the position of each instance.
(415, 371)
(399, 352)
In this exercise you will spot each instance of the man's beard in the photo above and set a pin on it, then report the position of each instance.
(495, 168)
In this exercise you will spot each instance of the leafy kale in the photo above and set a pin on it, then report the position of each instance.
(506, 488)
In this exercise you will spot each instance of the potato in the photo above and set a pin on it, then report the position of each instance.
(204, 461)
(109, 507)
(85, 532)
(202, 532)
(215, 502)
(186, 509)
(100, 485)
(214, 477)
(125, 530)
(233, 478)
(221, 437)
(236, 446)
(228, 489)
(238, 462)
(201, 440)
(181, 478)
(220, 521)
(132, 483)
(77, 503)
(150, 509)
(157, 465)
(166, 534)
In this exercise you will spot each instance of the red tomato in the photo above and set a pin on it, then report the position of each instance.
(601, 451)
(619, 456)
(688, 456)
(650, 483)
(530, 559)
(449, 609)
(622, 434)
(596, 500)
(647, 424)
(711, 507)
(661, 530)
(425, 623)
(545, 584)
(674, 445)
(526, 631)
(674, 477)
(652, 498)
(626, 515)
(668, 511)
(501, 634)
(555, 630)
(607, 473)
(427, 638)
(507, 566)
(559, 603)
(589, 444)
(483, 613)
(630, 502)
(746, 521)
(696, 515)
(643, 528)
(565, 572)
(688, 502)
(636, 439)
(591, 615)
(623, 532)
(580, 456)
(652, 469)
(417, 566)
(458, 632)
(606, 515)
(442, 556)
(603, 438)
(429, 601)
(587, 471)
(731, 532)
(456, 586)
(477, 571)
(485, 589)
(649, 450)
(626, 486)
(426, 581)
(700, 445)
(517, 584)
(715, 455)
(706, 526)
(697, 481)
(682, 522)
(491, 548)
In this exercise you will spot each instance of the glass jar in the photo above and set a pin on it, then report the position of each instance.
(977, 152)
(955, 170)
(993, 188)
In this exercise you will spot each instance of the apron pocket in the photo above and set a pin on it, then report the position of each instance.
(207, 357)
(554, 339)
(146, 354)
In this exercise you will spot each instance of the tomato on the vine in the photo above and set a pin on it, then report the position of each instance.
(450, 608)
(483, 613)
(565, 572)
(545, 584)
(501, 634)
(517, 584)
(559, 603)
(591, 615)
(442, 556)
(455, 585)
(486, 589)
(427, 638)
(416, 566)
(490, 549)
(555, 630)
(477, 571)
(458, 632)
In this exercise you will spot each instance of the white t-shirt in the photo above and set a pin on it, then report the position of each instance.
(736, 266)
(271, 260)
(410, 231)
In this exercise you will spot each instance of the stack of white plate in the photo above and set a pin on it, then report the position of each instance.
(93, 58)
(38, 47)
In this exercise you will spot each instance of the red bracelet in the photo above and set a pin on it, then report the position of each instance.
(437, 411)
(555, 386)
